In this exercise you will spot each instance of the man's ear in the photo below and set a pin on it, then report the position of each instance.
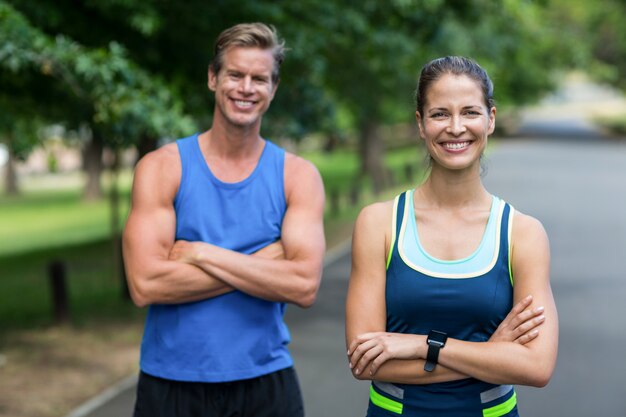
(274, 88)
(212, 82)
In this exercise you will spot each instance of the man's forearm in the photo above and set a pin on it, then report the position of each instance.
(295, 281)
(170, 282)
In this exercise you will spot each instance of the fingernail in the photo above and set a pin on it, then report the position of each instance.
(541, 318)
(350, 365)
(357, 371)
(539, 309)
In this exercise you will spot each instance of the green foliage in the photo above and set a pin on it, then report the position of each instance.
(360, 56)
(125, 101)
(605, 25)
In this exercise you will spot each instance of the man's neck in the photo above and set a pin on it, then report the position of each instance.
(232, 142)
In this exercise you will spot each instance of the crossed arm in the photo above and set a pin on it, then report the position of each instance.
(393, 357)
(160, 270)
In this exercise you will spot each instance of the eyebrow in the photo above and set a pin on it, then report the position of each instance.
(436, 109)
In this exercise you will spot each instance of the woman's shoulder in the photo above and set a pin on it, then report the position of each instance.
(525, 223)
(376, 215)
(528, 232)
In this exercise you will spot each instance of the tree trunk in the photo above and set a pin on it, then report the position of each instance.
(146, 144)
(371, 152)
(92, 164)
(332, 140)
(10, 178)
(116, 238)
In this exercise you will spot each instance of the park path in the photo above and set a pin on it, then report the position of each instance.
(560, 169)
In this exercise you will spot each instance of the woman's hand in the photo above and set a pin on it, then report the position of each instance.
(373, 349)
(520, 325)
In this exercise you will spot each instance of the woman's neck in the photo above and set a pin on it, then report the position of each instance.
(450, 189)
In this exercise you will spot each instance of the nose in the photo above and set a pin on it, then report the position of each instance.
(245, 85)
(456, 126)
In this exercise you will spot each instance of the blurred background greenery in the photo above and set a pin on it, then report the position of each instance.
(109, 81)
(88, 87)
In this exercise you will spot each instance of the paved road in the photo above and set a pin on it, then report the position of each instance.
(578, 190)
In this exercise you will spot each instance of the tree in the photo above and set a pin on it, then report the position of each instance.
(359, 58)
(371, 53)
(119, 100)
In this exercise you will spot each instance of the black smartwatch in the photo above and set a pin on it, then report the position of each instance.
(435, 340)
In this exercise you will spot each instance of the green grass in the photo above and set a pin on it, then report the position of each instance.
(49, 222)
(44, 217)
(340, 168)
(25, 293)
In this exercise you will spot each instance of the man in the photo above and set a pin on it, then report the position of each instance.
(225, 228)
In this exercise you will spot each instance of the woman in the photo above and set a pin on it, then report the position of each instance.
(436, 272)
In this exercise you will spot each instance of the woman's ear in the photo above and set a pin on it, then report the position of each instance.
(420, 124)
(492, 120)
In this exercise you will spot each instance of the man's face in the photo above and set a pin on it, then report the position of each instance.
(243, 87)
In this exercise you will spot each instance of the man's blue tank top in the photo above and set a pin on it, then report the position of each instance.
(233, 336)
(466, 298)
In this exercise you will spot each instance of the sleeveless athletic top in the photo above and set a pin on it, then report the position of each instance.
(233, 336)
(466, 298)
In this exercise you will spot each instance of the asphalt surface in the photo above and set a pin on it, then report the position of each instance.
(575, 183)
(578, 190)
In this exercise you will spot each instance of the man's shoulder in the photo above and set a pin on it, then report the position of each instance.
(161, 166)
(297, 165)
(165, 156)
(302, 178)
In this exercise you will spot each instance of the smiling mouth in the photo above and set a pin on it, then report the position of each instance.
(455, 146)
(243, 103)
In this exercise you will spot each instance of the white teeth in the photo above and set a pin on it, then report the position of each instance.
(242, 103)
(455, 145)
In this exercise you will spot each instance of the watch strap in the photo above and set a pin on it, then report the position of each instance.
(432, 356)
(435, 340)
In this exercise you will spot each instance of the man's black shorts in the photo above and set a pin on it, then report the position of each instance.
(273, 395)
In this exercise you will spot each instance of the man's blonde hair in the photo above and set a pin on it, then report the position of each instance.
(249, 35)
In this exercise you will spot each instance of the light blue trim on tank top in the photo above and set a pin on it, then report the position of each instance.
(481, 261)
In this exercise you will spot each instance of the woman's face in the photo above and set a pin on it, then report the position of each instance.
(456, 122)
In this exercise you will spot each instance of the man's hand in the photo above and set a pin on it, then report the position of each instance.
(186, 252)
(191, 252)
(274, 250)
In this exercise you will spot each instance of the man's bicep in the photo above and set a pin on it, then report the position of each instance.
(302, 232)
(150, 231)
(150, 228)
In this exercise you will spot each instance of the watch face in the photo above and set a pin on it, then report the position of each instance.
(436, 336)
